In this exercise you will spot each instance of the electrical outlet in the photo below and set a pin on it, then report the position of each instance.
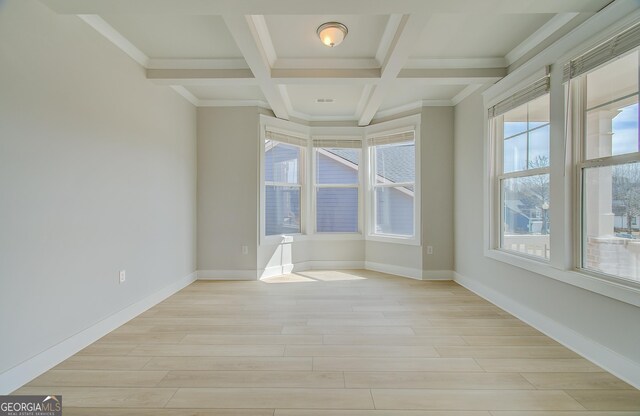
(123, 276)
(245, 249)
(429, 249)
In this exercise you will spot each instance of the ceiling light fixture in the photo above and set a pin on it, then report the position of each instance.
(332, 33)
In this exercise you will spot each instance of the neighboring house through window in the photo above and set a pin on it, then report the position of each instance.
(392, 179)
(337, 179)
(520, 137)
(283, 183)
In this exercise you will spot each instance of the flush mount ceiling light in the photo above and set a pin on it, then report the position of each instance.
(332, 33)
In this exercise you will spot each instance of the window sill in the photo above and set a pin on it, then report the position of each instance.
(410, 241)
(292, 238)
(627, 293)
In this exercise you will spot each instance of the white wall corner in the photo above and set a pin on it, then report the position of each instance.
(26, 371)
(618, 365)
(227, 275)
(437, 275)
(393, 269)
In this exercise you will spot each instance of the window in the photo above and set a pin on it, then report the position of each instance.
(393, 177)
(337, 181)
(608, 154)
(283, 179)
(520, 132)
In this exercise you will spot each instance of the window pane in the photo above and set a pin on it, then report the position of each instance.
(337, 166)
(282, 210)
(526, 136)
(612, 81)
(515, 121)
(539, 148)
(612, 109)
(394, 210)
(515, 153)
(281, 162)
(525, 215)
(337, 210)
(396, 162)
(538, 112)
(611, 240)
(613, 129)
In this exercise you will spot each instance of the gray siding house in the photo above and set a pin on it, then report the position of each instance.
(337, 208)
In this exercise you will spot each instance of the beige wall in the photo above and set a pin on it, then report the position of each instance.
(436, 165)
(437, 187)
(97, 174)
(228, 161)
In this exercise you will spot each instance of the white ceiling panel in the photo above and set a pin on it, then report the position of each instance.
(223, 92)
(177, 36)
(303, 99)
(295, 36)
(475, 35)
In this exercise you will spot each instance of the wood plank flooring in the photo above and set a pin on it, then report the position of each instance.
(331, 343)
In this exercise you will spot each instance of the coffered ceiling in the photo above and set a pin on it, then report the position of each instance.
(398, 54)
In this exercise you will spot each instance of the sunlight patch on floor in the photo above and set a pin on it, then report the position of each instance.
(315, 276)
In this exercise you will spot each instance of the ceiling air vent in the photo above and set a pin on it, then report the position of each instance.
(324, 100)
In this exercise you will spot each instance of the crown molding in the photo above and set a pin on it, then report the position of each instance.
(536, 38)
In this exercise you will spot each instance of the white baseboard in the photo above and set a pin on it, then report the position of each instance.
(227, 275)
(618, 365)
(26, 371)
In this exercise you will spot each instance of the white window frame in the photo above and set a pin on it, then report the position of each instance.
(496, 143)
(577, 92)
(411, 123)
(562, 267)
(315, 186)
(295, 130)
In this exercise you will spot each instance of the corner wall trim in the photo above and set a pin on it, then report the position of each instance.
(618, 365)
(26, 371)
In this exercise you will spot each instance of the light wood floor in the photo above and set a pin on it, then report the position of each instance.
(339, 343)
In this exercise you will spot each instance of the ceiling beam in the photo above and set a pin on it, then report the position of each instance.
(324, 76)
(389, 34)
(191, 63)
(402, 45)
(326, 63)
(201, 76)
(108, 31)
(481, 74)
(297, 7)
(371, 77)
(247, 37)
